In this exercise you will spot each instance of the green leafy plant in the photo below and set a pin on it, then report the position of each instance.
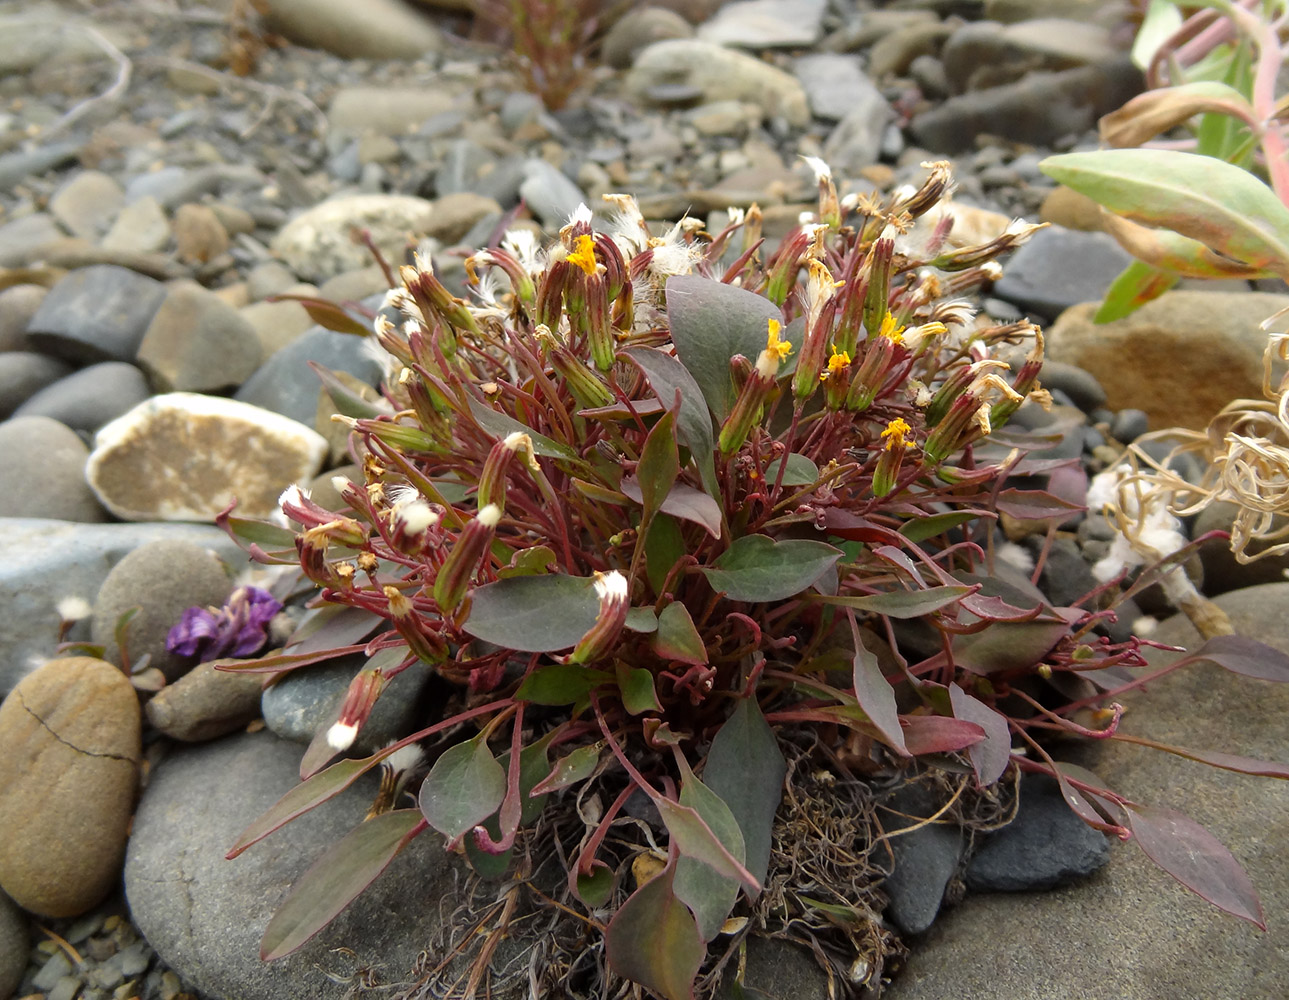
(1200, 207)
(699, 543)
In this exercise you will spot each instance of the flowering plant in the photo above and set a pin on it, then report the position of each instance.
(689, 529)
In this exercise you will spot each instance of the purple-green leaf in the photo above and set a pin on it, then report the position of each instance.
(666, 375)
(1007, 645)
(677, 638)
(635, 685)
(332, 625)
(464, 787)
(534, 614)
(336, 878)
(989, 758)
(350, 396)
(709, 894)
(664, 547)
(684, 502)
(653, 939)
(746, 768)
(571, 768)
(659, 464)
(499, 425)
(1197, 859)
(1036, 505)
(903, 603)
(560, 684)
(875, 695)
(939, 734)
(759, 568)
(918, 529)
(1244, 656)
(695, 839)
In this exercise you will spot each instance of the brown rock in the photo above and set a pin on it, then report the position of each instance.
(1066, 207)
(206, 703)
(69, 756)
(455, 214)
(199, 235)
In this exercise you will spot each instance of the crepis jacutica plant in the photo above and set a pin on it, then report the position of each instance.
(663, 513)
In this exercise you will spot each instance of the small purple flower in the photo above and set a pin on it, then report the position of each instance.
(236, 629)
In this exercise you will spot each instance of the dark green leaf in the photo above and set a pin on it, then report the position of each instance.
(596, 889)
(706, 892)
(1242, 655)
(695, 839)
(571, 768)
(746, 769)
(333, 881)
(664, 547)
(500, 425)
(485, 865)
(641, 620)
(332, 625)
(677, 638)
(464, 787)
(653, 939)
(684, 502)
(1035, 505)
(534, 614)
(533, 561)
(758, 568)
(710, 323)
(560, 684)
(875, 695)
(800, 471)
(636, 688)
(693, 423)
(903, 603)
(919, 529)
(262, 533)
(1007, 646)
(659, 463)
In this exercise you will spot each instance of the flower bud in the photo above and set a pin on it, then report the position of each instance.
(611, 589)
(458, 569)
(877, 290)
(820, 287)
(755, 392)
(360, 699)
(887, 473)
(492, 480)
(428, 646)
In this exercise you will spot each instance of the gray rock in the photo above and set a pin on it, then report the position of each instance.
(925, 861)
(637, 30)
(1046, 845)
(385, 110)
(25, 373)
(164, 579)
(988, 54)
(268, 278)
(1222, 572)
(376, 29)
(42, 472)
(21, 237)
(1129, 424)
(197, 342)
(18, 304)
(464, 163)
(86, 203)
(1058, 268)
(51, 563)
(183, 456)
(14, 941)
(140, 227)
(89, 398)
(1082, 388)
(316, 244)
(894, 52)
(173, 186)
(15, 167)
(1039, 109)
(285, 384)
(205, 915)
(307, 700)
(766, 24)
(205, 704)
(829, 79)
(1066, 575)
(95, 314)
(549, 194)
(719, 74)
(1114, 921)
(856, 141)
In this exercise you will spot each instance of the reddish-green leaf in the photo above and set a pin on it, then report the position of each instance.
(989, 758)
(1197, 859)
(659, 464)
(759, 568)
(350, 396)
(653, 940)
(596, 889)
(336, 878)
(746, 768)
(875, 694)
(571, 768)
(684, 502)
(1007, 645)
(636, 687)
(666, 375)
(261, 533)
(1241, 655)
(499, 425)
(1156, 111)
(276, 662)
(533, 561)
(464, 787)
(903, 603)
(918, 529)
(677, 638)
(534, 614)
(332, 625)
(939, 734)
(560, 684)
(695, 839)
(327, 314)
(1035, 505)
(1136, 284)
(709, 894)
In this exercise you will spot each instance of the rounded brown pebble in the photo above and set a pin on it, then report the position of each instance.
(69, 761)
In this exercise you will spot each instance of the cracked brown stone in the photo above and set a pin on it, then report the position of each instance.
(69, 761)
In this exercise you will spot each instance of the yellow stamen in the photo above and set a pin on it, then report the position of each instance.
(772, 342)
(894, 433)
(836, 364)
(890, 331)
(584, 255)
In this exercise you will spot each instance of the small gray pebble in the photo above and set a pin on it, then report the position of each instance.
(1128, 425)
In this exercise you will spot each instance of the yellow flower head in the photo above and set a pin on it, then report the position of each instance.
(772, 342)
(894, 433)
(890, 331)
(584, 255)
(836, 364)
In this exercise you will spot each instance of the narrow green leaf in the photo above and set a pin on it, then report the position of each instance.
(903, 603)
(666, 375)
(351, 397)
(746, 768)
(560, 684)
(533, 561)
(677, 638)
(659, 463)
(1007, 645)
(336, 878)
(1137, 284)
(695, 839)
(653, 939)
(664, 547)
(918, 529)
(499, 425)
(464, 787)
(710, 323)
(875, 695)
(327, 314)
(759, 568)
(533, 614)
(261, 533)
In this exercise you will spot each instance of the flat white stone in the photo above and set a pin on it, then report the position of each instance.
(184, 456)
(316, 244)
